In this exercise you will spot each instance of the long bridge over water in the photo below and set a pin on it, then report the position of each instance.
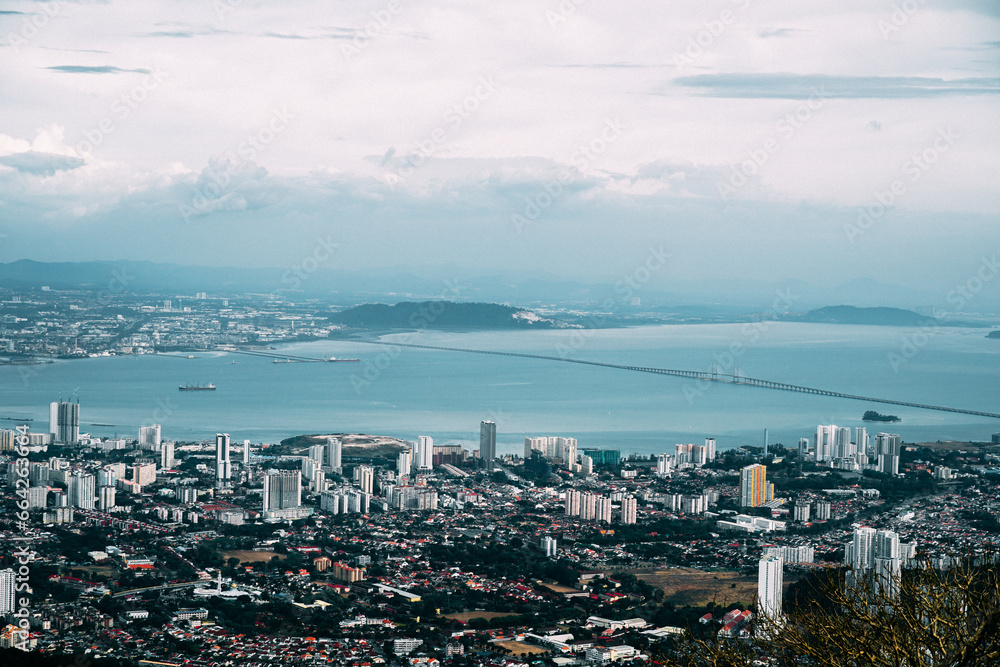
(710, 376)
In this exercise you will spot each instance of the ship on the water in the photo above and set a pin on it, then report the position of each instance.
(197, 387)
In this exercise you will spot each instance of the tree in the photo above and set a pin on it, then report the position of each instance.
(928, 617)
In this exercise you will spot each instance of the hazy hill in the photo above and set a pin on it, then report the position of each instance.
(440, 315)
(894, 317)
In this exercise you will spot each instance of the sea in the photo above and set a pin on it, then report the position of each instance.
(407, 392)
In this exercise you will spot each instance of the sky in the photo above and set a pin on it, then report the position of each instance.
(827, 141)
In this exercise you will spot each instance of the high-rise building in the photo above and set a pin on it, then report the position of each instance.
(80, 490)
(549, 546)
(366, 478)
(223, 467)
(149, 436)
(823, 509)
(144, 474)
(663, 465)
(886, 544)
(54, 421)
(861, 439)
(574, 500)
(487, 444)
(588, 506)
(877, 554)
(404, 462)
(803, 447)
(334, 455)
(316, 453)
(282, 490)
(106, 498)
(566, 450)
(425, 453)
(801, 511)
(824, 445)
(166, 455)
(709, 449)
(842, 445)
(8, 588)
(64, 422)
(887, 446)
(629, 505)
(38, 497)
(682, 455)
(753, 485)
(860, 552)
(698, 455)
(602, 509)
(769, 588)
(246, 452)
(108, 476)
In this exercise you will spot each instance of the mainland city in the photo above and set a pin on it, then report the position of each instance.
(546, 334)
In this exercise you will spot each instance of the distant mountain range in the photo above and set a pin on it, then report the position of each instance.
(893, 317)
(665, 298)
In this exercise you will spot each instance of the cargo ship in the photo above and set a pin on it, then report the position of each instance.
(197, 387)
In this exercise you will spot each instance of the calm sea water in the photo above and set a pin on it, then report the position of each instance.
(410, 392)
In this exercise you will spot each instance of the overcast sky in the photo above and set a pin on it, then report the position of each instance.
(745, 138)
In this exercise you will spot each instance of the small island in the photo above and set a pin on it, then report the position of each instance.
(872, 416)
(994, 334)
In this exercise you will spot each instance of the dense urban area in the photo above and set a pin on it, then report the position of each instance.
(358, 549)
(361, 549)
(38, 325)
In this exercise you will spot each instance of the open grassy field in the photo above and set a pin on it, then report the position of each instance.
(556, 588)
(517, 648)
(251, 556)
(94, 571)
(466, 616)
(687, 586)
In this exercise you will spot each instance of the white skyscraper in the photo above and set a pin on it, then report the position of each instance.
(629, 509)
(106, 498)
(282, 490)
(149, 435)
(8, 584)
(861, 439)
(769, 588)
(842, 445)
(81, 490)
(574, 500)
(223, 467)
(549, 546)
(860, 553)
(887, 446)
(566, 450)
(709, 449)
(316, 453)
(404, 462)
(663, 465)
(166, 455)
(487, 444)
(54, 420)
(603, 509)
(334, 455)
(425, 453)
(246, 452)
(824, 445)
(366, 478)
